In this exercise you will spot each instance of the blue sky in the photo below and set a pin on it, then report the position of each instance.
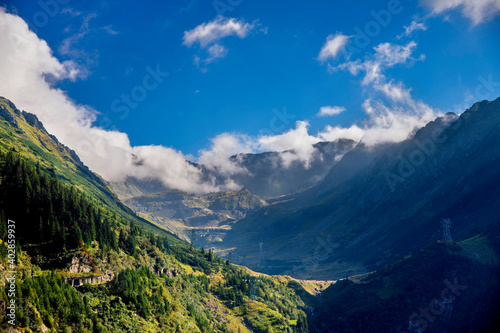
(261, 72)
(259, 59)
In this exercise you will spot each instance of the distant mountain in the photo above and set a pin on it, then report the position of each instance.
(84, 262)
(267, 174)
(183, 213)
(380, 203)
(378, 209)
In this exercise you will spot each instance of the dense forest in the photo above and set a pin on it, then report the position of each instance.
(86, 263)
(157, 284)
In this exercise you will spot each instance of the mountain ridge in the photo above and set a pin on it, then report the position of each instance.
(352, 214)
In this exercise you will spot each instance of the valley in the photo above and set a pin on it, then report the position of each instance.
(284, 263)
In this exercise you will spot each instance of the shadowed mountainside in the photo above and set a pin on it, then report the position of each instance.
(378, 204)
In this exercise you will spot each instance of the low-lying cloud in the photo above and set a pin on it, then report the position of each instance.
(27, 61)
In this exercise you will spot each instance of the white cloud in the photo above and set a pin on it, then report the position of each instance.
(297, 143)
(333, 133)
(67, 45)
(394, 123)
(414, 26)
(208, 36)
(394, 120)
(478, 11)
(330, 110)
(222, 147)
(211, 32)
(333, 45)
(27, 61)
(216, 51)
(386, 55)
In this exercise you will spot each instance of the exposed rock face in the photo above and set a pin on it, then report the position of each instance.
(80, 264)
(180, 212)
(268, 174)
(9, 114)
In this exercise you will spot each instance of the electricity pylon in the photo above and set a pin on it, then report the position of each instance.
(446, 223)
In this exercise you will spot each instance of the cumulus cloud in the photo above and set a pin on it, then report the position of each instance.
(208, 36)
(333, 133)
(27, 61)
(330, 110)
(211, 32)
(478, 11)
(224, 146)
(294, 145)
(333, 45)
(392, 111)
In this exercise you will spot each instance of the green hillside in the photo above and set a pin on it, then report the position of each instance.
(23, 133)
(71, 229)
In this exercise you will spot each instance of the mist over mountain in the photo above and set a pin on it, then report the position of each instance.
(264, 174)
(376, 213)
(94, 262)
(380, 203)
(250, 166)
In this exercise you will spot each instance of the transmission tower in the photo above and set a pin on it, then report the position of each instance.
(262, 262)
(446, 223)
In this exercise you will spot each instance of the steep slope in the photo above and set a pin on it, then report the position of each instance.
(441, 288)
(268, 174)
(23, 133)
(377, 205)
(83, 265)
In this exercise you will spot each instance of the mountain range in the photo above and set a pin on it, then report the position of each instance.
(364, 220)
(364, 207)
(380, 203)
